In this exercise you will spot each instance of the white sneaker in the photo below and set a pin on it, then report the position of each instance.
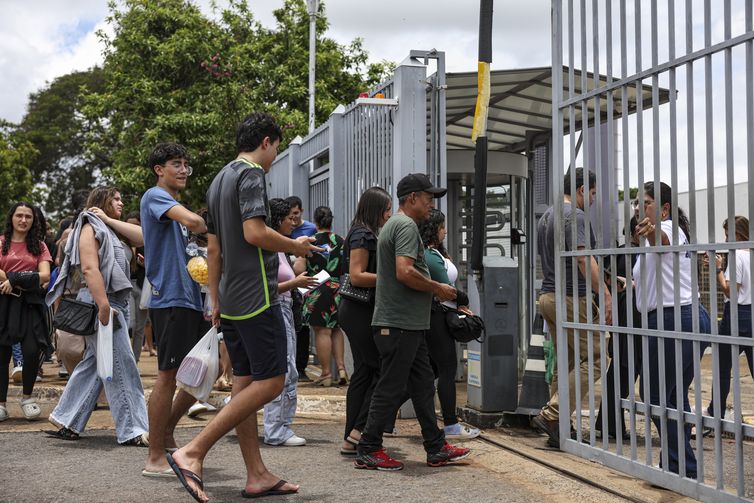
(3, 413)
(294, 441)
(461, 431)
(200, 408)
(17, 375)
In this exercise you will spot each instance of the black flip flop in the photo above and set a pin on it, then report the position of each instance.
(182, 473)
(272, 491)
(63, 434)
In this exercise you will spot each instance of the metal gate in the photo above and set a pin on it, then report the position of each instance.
(699, 138)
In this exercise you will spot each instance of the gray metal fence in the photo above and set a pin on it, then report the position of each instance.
(702, 52)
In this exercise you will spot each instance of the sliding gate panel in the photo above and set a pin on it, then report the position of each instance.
(656, 98)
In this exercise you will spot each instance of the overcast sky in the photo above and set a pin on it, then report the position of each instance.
(44, 39)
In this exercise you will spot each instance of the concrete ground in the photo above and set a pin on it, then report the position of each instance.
(36, 468)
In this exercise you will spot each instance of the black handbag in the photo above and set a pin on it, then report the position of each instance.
(464, 327)
(74, 316)
(357, 293)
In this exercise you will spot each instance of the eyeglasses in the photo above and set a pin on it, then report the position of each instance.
(181, 167)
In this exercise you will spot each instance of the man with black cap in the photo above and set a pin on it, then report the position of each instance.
(403, 302)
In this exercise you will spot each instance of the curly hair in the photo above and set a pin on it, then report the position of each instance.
(430, 229)
(164, 152)
(254, 128)
(279, 209)
(32, 236)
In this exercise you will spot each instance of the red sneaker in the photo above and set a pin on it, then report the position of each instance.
(447, 454)
(377, 460)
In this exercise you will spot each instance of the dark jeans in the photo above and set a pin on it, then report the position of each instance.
(32, 359)
(355, 318)
(404, 364)
(726, 359)
(669, 364)
(302, 350)
(442, 353)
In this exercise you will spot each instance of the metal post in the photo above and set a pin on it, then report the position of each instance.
(312, 6)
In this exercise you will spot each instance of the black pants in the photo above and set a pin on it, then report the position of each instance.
(32, 358)
(404, 364)
(355, 319)
(442, 353)
(302, 350)
(627, 381)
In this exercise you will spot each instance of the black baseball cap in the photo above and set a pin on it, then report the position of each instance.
(418, 182)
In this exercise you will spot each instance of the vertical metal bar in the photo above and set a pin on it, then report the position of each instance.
(660, 308)
(643, 257)
(628, 213)
(691, 161)
(675, 240)
(617, 357)
(557, 167)
(732, 256)
(749, 79)
(574, 262)
(709, 127)
(598, 169)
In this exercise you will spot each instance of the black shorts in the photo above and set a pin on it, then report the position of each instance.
(176, 330)
(257, 346)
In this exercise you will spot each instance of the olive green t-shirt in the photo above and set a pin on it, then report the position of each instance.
(397, 305)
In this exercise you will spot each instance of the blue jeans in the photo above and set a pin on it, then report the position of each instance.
(125, 393)
(18, 355)
(278, 414)
(726, 360)
(669, 363)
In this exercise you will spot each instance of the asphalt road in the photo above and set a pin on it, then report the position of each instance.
(34, 468)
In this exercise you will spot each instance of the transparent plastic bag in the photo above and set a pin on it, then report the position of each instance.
(146, 294)
(198, 371)
(105, 350)
(208, 306)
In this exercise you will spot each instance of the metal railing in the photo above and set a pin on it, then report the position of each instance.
(704, 136)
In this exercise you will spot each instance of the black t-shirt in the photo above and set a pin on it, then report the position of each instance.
(362, 237)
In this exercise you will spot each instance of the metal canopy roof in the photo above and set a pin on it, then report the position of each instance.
(521, 103)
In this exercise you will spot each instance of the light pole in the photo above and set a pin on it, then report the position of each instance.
(312, 7)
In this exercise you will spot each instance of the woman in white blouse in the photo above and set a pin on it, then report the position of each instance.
(743, 298)
(661, 303)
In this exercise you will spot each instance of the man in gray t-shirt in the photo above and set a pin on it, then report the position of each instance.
(242, 260)
(403, 301)
(573, 215)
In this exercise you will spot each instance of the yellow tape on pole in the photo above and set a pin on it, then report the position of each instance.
(482, 101)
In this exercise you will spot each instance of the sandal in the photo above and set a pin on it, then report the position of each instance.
(63, 434)
(351, 450)
(31, 408)
(325, 381)
(138, 441)
(343, 377)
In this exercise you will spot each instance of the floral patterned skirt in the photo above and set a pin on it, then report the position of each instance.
(321, 305)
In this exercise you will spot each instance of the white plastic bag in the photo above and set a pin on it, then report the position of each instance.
(198, 371)
(146, 294)
(105, 350)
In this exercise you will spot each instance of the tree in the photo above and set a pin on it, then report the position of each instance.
(55, 126)
(16, 157)
(172, 74)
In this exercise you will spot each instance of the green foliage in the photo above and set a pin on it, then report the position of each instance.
(16, 158)
(632, 193)
(55, 126)
(172, 74)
